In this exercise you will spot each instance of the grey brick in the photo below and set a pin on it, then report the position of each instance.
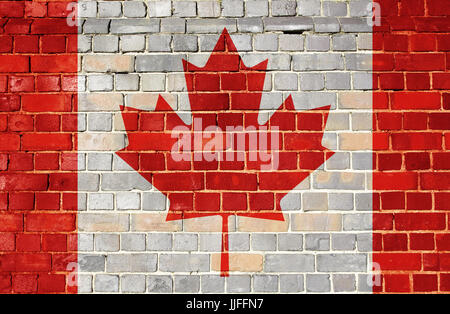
(109, 9)
(309, 100)
(153, 201)
(210, 242)
(363, 201)
(250, 25)
(134, 26)
(82, 201)
(88, 182)
(100, 83)
(266, 42)
(340, 201)
(100, 121)
(264, 242)
(84, 43)
(360, 8)
(291, 283)
(288, 24)
(344, 42)
(87, 9)
(354, 25)
(331, 8)
(289, 263)
(184, 262)
(103, 221)
(291, 42)
(176, 82)
(341, 180)
(85, 242)
(290, 242)
(153, 82)
(131, 263)
(312, 81)
(84, 283)
(184, 8)
(134, 9)
(81, 116)
(106, 44)
(338, 81)
(100, 161)
(124, 182)
(160, 8)
(326, 25)
(212, 284)
(341, 262)
(101, 201)
(292, 201)
(106, 283)
(318, 283)
(362, 161)
(208, 8)
(257, 8)
(159, 42)
(159, 242)
(239, 241)
(339, 160)
(366, 283)
(362, 81)
(233, 8)
(190, 283)
(344, 282)
(185, 43)
(127, 82)
(343, 242)
(357, 222)
(211, 26)
(318, 61)
(361, 121)
(173, 25)
(107, 242)
(132, 43)
(308, 7)
(91, 263)
(185, 242)
(128, 200)
(317, 242)
(132, 283)
(238, 284)
(317, 43)
(364, 242)
(364, 42)
(284, 7)
(243, 42)
(159, 284)
(159, 63)
(286, 81)
(132, 242)
(265, 283)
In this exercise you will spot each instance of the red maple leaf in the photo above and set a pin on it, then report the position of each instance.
(225, 163)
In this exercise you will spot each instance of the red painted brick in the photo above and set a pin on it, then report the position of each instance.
(398, 261)
(207, 202)
(17, 26)
(35, 9)
(419, 201)
(389, 161)
(47, 123)
(395, 242)
(53, 44)
(415, 100)
(438, 8)
(180, 181)
(14, 64)
(417, 161)
(51, 283)
(5, 284)
(21, 201)
(416, 141)
(47, 102)
(151, 122)
(441, 81)
(26, 44)
(418, 81)
(21, 83)
(6, 43)
(442, 201)
(9, 103)
(395, 181)
(28, 242)
(48, 83)
(420, 62)
(52, 142)
(420, 221)
(392, 200)
(443, 242)
(423, 42)
(63, 182)
(21, 161)
(425, 282)
(53, 64)
(435, 181)
(421, 241)
(393, 81)
(415, 121)
(69, 83)
(54, 242)
(50, 222)
(24, 283)
(233, 81)
(441, 161)
(12, 8)
(46, 161)
(152, 161)
(11, 222)
(207, 82)
(231, 181)
(7, 243)
(389, 121)
(261, 201)
(52, 26)
(9, 142)
(234, 201)
(20, 122)
(47, 201)
(394, 42)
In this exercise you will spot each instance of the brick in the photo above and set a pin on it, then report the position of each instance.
(133, 283)
(265, 283)
(106, 283)
(240, 262)
(159, 284)
(318, 283)
(238, 283)
(134, 26)
(136, 262)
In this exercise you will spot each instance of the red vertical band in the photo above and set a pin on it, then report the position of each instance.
(38, 142)
(411, 139)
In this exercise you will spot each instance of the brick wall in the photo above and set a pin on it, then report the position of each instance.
(38, 160)
(320, 52)
(411, 143)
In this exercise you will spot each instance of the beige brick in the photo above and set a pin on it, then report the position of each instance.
(355, 100)
(362, 121)
(355, 141)
(239, 262)
(108, 63)
(154, 222)
(101, 141)
(107, 222)
(337, 121)
(262, 225)
(208, 224)
(99, 101)
(316, 222)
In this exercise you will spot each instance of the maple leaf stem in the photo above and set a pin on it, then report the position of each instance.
(224, 256)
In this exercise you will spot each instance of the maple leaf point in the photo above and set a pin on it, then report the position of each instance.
(225, 163)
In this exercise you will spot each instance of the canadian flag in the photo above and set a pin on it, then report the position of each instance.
(225, 146)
